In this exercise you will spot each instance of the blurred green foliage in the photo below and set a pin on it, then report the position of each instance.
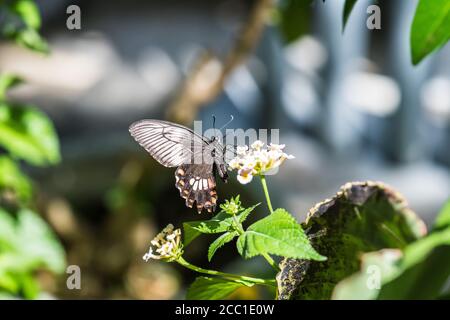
(418, 271)
(430, 27)
(21, 22)
(362, 217)
(28, 134)
(348, 7)
(27, 243)
(293, 18)
(12, 178)
(377, 248)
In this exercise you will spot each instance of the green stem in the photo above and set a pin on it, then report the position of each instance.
(229, 276)
(238, 226)
(266, 192)
(272, 263)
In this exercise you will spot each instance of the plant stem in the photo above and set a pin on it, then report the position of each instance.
(238, 226)
(229, 276)
(266, 192)
(272, 263)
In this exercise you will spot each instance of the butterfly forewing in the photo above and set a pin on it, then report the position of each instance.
(170, 144)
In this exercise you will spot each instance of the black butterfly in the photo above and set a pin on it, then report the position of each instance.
(197, 158)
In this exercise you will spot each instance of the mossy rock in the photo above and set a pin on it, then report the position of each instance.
(362, 217)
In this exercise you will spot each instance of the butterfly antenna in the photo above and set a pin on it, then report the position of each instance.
(214, 122)
(226, 124)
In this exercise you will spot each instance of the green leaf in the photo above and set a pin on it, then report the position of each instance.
(242, 216)
(221, 222)
(36, 241)
(348, 7)
(363, 217)
(217, 224)
(205, 288)
(419, 272)
(29, 286)
(26, 245)
(28, 12)
(28, 38)
(9, 283)
(7, 81)
(220, 242)
(28, 134)
(356, 287)
(7, 230)
(277, 234)
(443, 218)
(430, 28)
(11, 178)
(294, 17)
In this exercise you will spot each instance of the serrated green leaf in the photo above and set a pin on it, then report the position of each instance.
(430, 28)
(217, 224)
(28, 12)
(443, 218)
(220, 242)
(348, 7)
(277, 234)
(7, 81)
(205, 288)
(28, 134)
(242, 216)
(11, 178)
(221, 222)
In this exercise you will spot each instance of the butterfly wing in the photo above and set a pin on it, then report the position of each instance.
(168, 143)
(196, 182)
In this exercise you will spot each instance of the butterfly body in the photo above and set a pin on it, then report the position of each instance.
(196, 158)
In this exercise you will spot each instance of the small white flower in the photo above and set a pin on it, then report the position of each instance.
(234, 163)
(245, 175)
(257, 145)
(166, 245)
(257, 160)
(276, 147)
(241, 150)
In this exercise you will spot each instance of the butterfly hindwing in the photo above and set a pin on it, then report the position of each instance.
(196, 183)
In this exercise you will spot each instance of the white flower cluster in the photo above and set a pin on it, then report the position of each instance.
(166, 245)
(257, 160)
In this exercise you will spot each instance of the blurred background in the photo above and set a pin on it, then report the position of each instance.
(349, 105)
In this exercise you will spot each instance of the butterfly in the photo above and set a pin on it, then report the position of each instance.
(197, 159)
